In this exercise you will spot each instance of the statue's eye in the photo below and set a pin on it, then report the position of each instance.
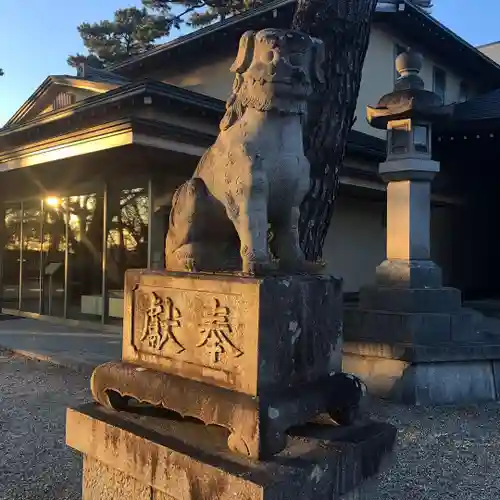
(269, 56)
(296, 59)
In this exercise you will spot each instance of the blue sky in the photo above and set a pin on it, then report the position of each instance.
(36, 36)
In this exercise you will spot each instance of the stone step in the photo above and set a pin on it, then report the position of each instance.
(412, 327)
(413, 300)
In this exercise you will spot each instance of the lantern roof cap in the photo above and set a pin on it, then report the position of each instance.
(409, 99)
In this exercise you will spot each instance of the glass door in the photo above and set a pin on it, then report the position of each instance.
(85, 243)
(31, 277)
(126, 240)
(53, 258)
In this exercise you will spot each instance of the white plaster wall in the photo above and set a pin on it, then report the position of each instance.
(212, 76)
(492, 51)
(377, 79)
(355, 244)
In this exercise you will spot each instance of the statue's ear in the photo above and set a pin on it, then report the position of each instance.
(245, 52)
(317, 60)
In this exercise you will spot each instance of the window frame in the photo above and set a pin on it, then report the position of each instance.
(435, 72)
(398, 49)
(463, 92)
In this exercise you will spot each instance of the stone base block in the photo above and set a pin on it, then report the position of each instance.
(433, 383)
(240, 333)
(410, 300)
(409, 274)
(145, 456)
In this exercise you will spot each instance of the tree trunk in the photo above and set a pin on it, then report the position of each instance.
(344, 26)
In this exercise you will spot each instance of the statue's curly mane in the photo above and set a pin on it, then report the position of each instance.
(234, 105)
(249, 93)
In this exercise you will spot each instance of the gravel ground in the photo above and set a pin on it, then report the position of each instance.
(444, 453)
(35, 463)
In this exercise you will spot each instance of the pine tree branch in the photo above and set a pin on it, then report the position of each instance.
(178, 17)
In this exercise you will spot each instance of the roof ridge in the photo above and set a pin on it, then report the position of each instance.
(235, 19)
(487, 44)
(88, 72)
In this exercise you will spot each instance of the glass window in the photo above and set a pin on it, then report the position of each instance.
(126, 241)
(85, 239)
(463, 94)
(421, 138)
(31, 248)
(53, 255)
(53, 251)
(439, 83)
(12, 255)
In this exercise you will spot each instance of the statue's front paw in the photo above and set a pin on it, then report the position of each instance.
(259, 267)
(302, 265)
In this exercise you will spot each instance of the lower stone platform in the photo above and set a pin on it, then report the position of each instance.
(441, 373)
(151, 454)
(422, 348)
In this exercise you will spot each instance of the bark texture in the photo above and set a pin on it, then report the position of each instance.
(344, 26)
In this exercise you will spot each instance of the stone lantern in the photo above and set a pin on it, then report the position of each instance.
(407, 114)
(410, 339)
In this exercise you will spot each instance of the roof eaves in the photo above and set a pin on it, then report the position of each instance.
(42, 88)
(31, 99)
(145, 87)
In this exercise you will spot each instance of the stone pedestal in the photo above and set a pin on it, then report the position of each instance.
(144, 455)
(255, 355)
(410, 340)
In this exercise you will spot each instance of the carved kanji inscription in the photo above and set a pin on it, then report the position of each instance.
(161, 320)
(216, 331)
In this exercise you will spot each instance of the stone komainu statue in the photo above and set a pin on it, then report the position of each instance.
(256, 173)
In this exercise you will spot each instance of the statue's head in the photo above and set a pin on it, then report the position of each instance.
(275, 69)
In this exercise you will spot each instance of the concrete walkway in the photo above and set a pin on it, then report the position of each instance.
(83, 349)
(76, 348)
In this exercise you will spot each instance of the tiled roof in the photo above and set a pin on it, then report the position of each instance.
(87, 72)
(483, 107)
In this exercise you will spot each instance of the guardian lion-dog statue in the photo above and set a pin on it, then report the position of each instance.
(256, 173)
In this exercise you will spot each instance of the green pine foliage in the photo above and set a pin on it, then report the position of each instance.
(198, 13)
(131, 32)
(134, 31)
